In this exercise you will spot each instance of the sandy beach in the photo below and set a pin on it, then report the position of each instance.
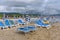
(29, 19)
(40, 34)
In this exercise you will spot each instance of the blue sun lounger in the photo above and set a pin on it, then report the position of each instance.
(27, 29)
(40, 23)
(1, 24)
(7, 24)
(12, 23)
(32, 28)
(21, 21)
(20, 29)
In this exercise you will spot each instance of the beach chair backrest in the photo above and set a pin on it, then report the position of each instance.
(40, 22)
(7, 23)
(11, 22)
(1, 24)
(20, 21)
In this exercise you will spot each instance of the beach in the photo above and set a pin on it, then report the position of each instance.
(40, 34)
(29, 19)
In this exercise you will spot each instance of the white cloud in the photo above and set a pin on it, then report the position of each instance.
(10, 5)
(11, 9)
(25, 0)
(3, 8)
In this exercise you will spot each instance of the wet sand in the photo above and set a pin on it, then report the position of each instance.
(40, 34)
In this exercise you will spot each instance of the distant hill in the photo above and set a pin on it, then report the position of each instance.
(48, 11)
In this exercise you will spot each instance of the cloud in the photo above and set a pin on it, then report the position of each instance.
(23, 5)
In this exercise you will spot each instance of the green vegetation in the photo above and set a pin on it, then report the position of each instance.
(23, 14)
(18, 14)
(14, 14)
(1, 15)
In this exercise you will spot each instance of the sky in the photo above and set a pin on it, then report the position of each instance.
(23, 5)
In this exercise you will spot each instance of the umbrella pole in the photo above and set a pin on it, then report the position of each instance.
(4, 15)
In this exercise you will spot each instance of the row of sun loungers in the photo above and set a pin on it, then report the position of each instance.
(38, 23)
(9, 23)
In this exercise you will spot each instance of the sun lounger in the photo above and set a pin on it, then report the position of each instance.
(32, 28)
(27, 29)
(41, 24)
(20, 29)
(1, 24)
(38, 23)
(12, 23)
(7, 23)
(21, 21)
